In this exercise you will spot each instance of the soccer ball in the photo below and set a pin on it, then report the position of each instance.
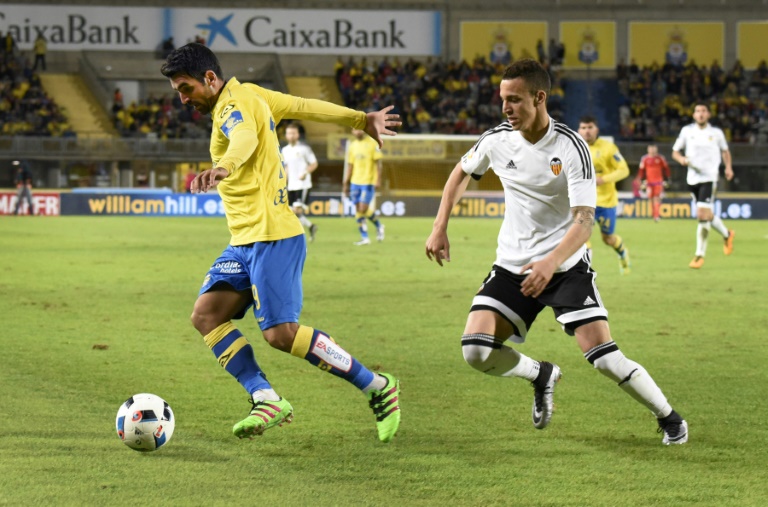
(145, 422)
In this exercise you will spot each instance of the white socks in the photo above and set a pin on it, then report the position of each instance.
(633, 380)
(720, 226)
(702, 233)
(377, 383)
(482, 352)
(305, 221)
(265, 395)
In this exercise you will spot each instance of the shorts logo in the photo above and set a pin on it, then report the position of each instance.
(556, 165)
(327, 351)
(229, 267)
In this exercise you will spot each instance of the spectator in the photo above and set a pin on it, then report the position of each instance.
(41, 47)
(167, 47)
(9, 46)
(541, 52)
(23, 180)
(434, 96)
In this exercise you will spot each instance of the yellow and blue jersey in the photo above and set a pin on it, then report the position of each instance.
(363, 154)
(243, 141)
(611, 167)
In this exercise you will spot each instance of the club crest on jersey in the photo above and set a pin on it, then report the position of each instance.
(556, 165)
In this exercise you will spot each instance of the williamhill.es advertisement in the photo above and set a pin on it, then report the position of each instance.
(332, 204)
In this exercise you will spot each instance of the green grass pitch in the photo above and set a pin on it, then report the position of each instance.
(69, 283)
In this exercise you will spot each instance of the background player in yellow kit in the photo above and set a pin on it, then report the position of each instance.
(610, 167)
(363, 171)
(262, 265)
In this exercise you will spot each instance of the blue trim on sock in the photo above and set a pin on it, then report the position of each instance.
(242, 365)
(358, 375)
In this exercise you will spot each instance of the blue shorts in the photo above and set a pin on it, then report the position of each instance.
(606, 217)
(362, 193)
(271, 270)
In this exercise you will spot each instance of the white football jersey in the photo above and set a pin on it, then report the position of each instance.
(297, 158)
(704, 149)
(542, 182)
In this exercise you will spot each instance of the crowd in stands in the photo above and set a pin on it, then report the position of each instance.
(159, 118)
(25, 108)
(434, 96)
(658, 100)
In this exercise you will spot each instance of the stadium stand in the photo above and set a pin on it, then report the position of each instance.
(656, 101)
(434, 96)
(25, 108)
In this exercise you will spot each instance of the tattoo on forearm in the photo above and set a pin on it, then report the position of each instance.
(584, 215)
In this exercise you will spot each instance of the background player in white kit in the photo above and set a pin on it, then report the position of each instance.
(549, 188)
(704, 146)
(300, 163)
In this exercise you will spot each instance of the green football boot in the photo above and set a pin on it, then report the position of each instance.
(386, 407)
(264, 415)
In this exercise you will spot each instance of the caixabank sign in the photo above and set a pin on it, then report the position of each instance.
(302, 31)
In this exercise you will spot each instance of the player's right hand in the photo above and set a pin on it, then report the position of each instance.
(438, 248)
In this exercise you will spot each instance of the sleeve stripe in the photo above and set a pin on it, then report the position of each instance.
(581, 148)
(504, 127)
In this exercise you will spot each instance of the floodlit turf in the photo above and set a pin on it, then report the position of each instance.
(68, 284)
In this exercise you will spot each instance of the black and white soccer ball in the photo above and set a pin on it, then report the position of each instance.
(145, 422)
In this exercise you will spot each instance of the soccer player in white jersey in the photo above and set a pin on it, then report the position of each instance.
(704, 146)
(300, 163)
(549, 189)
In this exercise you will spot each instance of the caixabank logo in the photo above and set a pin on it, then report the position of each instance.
(272, 31)
(309, 30)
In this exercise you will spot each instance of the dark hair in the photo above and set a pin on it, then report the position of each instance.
(193, 60)
(530, 71)
(701, 103)
(293, 125)
(588, 118)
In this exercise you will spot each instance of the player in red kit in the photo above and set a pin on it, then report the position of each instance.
(654, 177)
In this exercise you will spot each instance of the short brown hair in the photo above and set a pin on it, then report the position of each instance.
(532, 73)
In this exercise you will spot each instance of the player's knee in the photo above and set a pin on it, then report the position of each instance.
(202, 321)
(477, 350)
(281, 336)
(608, 239)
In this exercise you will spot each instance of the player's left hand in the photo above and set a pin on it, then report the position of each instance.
(378, 123)
(540, 273)
(208, 179)
(728, 173)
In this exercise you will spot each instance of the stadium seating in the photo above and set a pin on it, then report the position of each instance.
(25, 108)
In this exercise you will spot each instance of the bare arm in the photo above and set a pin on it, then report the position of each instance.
(682, 160)
(437, 243)
(728, 165)
(541, 271)
(347, 176)
(378, 173)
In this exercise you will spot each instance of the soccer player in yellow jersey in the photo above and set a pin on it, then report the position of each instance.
(610, 167)
(363, 171)
(262, 265)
